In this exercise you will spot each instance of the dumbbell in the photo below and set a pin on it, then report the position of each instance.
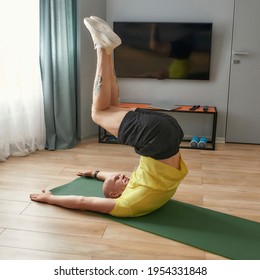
(194, 142)
(202, 142)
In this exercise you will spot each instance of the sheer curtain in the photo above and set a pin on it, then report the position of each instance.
(22, 127)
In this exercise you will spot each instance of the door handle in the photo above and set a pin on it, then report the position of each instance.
(240, 53)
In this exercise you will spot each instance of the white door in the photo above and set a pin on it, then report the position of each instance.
(243, 121)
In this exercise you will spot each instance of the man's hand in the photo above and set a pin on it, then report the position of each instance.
(88, 174)
(102, 175)
(41, 197)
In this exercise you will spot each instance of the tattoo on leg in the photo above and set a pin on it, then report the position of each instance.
(98, 84)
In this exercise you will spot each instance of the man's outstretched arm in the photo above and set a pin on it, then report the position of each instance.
(96, 204)
(101, 175)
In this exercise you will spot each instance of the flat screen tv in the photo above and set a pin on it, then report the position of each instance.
(163, 50)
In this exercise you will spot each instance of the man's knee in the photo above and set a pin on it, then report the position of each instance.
(95, 115)
(98, 115)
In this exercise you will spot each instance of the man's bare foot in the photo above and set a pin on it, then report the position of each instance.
(41, 197)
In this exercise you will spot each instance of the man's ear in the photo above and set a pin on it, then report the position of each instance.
(113, 195)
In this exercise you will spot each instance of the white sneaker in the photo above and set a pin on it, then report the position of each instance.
(101, 21)
(102, 35)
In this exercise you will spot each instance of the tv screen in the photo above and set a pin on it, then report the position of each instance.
(163, 50)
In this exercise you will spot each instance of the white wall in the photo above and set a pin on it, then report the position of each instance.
(213, 92)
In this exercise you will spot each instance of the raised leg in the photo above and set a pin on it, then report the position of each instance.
(105, 92)
(114, 100)
(102, 82)
(105, 95)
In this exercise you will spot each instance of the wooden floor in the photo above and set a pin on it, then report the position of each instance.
(226, 180)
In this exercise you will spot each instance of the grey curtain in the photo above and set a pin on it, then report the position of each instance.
(58, 69)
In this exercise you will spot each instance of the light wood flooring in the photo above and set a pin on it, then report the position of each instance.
(226, 180)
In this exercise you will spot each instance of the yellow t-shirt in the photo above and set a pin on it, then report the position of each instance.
(150, 186)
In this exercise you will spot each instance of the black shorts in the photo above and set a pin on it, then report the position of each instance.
(151, 133)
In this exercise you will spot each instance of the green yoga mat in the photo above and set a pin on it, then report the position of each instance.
(221, 234)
